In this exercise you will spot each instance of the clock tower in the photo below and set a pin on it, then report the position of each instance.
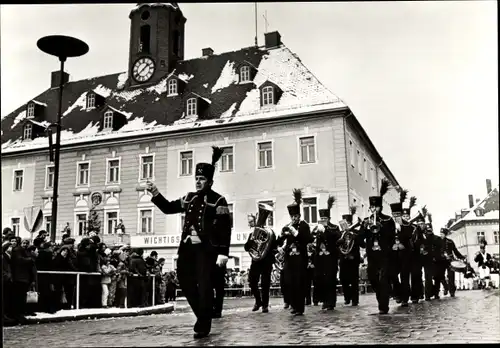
(156, 41)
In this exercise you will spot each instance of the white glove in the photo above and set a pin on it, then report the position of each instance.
(321, 228)
(294, 231)
(398, 227)
(151, 187)
(221, 260)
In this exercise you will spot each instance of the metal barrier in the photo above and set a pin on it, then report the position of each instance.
(78, 274)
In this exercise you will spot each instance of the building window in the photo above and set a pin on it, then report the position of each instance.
(147, 167)
(91, 101)
(111, 221)
(108, 120)
(145, 38)
(360, 167)
(31, 110)
(83, 173)
(307, 150)
(270, 219)
(114, 171)
(351, 149)
(172, 87)
(49, 177)
(18, 180)
(310, 209)
(48, 220)
(480, 237)
(186, 163)
(81, 224)
(365, 169)
(495, 237)
(265, 154)
(245, 74)
(231, 214)
(227, 160)
(191, 107)
(146, 220)
(28, 131)
(267, 96)
(373, 175)
(15, 222)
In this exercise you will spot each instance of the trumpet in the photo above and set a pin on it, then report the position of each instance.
(375, 226)
(289, 229)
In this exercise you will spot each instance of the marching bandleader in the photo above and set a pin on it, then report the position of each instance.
(261, 269)
(205, 240)
(297, 235)
(450, 251)
(379, 232)
(326, 258)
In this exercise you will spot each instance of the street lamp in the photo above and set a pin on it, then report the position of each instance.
(61, 47)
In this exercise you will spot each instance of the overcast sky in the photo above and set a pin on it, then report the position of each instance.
(421, 77)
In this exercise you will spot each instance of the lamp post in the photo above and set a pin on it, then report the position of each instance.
(62, 47)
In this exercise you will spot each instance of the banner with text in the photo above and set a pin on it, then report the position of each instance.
(166, 241)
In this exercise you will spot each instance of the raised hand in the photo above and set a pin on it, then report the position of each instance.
(151, 187)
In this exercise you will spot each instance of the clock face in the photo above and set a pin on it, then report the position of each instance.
(143, 69)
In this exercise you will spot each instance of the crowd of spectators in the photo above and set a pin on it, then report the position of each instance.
(116, 276)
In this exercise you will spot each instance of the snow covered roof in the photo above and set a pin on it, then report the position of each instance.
(470, 215)
(148, 109)
(39, 103)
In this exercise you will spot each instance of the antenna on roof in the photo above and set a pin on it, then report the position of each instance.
(256, 44)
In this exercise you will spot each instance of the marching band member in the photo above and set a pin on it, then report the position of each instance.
(311, 271)
(349, 263)
(379, 232)
(262, 268)
(483, 260)
(427, 251)
(205, 240)
(438, 259)
(418, 251)
(297, 234)
(327, 258)
(401, 253)
(450, 251)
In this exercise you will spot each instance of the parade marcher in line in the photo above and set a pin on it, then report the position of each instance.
(450, 252)
(483, 260)
(261, 269)
(206, 238)
(326, 258)
(427, 248)
(417, 230)
(379, 232)
(439, 262)
(297, 235)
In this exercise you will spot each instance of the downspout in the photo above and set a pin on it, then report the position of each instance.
(347, 161)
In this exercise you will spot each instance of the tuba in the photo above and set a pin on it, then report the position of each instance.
(262, 236)
(348, 237)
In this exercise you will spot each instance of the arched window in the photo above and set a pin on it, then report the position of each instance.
(28, 131)
(145, 39)
(245, 73)
(108, 120)
(31, 110)
(90, 100)
(172, 87)
(191, 109)
(267, 95)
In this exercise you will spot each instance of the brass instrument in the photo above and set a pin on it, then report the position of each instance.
(375, 225)
(280, 258)
(263, 236)
(288, 230)
(348, 237)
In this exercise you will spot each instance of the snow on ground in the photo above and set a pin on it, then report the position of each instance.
(19, 118)
(227, 77)
(94, 311)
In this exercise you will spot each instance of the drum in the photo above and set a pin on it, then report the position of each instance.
(458, 266)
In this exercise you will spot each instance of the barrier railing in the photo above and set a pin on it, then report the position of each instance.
(79, 274)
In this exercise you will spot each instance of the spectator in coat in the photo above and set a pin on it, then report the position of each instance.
(23, 280)
(7, 285)
(107, 271)
(64, 283)
(137, 280)
(121, 285)
(44, 262)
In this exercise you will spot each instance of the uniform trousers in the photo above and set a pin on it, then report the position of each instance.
(295, 280)
(349, 278)
(379, 274)
(219, 282)
(260, 270)
(404, 264)
(284, 289)
(417, 289)
(309, 283)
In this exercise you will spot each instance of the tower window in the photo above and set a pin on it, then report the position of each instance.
(91, 101)
(28, 131)
(144, 44)
(191, 107)
(108, 120)
(145, 15)
(176, 39)
(172, 87)
(267, 95)
(31, 110)
(245, 73)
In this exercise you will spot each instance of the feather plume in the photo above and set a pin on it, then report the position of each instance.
(297, 196)
(331, 200)
(413, 201)
(429, 216)
(402, 195)
(424, 211)
(384, 187)
(352, 209)
(216, 154)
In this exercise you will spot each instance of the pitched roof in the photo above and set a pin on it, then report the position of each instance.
(212, 78)
(470, 215)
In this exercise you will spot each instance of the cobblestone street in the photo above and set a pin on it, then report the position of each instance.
(471, 317)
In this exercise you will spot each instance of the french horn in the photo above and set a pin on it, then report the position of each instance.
(348, 237)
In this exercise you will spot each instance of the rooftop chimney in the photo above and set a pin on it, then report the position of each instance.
(207, 51)
(488, 186)
(55, 78)
(272, 39)
(458, 216)
(463, 213)
(471, 201)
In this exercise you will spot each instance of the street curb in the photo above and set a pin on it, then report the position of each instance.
(87, 316)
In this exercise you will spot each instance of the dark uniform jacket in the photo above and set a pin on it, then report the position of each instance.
(208, 214)
(481, 261)
(300, 241)
(385, 237)
(450, 249)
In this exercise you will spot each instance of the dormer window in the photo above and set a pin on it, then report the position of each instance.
(172, 87)
(108, 120)
(191, 107)
(28, 131)
(31, 110)
(245, 73)
(267, 96)
(91, 101)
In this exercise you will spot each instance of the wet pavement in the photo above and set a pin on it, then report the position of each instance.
(471, 317)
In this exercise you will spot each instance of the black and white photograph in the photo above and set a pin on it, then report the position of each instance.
(250, 173)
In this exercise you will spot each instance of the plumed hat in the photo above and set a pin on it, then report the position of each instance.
(325, 213)
(294, 208)
(376, 201)
(208, 169)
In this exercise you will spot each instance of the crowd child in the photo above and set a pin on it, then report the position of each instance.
(107, 271)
